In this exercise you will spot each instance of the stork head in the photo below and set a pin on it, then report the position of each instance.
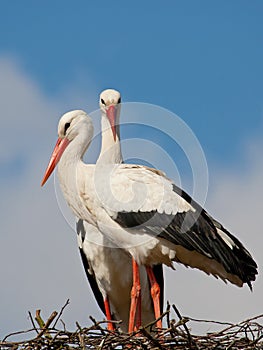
(110, 105)
(73, 125)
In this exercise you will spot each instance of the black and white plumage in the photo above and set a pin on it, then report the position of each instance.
(149, 207)
(109, 272)
(204, 243)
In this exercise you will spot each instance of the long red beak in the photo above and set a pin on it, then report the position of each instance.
(55, 157)
(111, 114)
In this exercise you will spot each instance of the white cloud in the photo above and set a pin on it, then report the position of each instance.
(24, 112)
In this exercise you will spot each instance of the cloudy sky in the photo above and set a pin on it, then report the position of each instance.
(201, 60)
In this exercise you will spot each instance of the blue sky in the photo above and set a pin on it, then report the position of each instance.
(199, 59)
(202, 60)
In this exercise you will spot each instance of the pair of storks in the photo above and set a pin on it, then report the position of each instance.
(132, 219)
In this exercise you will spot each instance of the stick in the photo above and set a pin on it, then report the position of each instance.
(61, 312)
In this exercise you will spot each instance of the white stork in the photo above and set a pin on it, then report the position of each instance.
(101, 258)
(142, 211)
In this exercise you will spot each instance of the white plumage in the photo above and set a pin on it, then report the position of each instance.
(137, 188)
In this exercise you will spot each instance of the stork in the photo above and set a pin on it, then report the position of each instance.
(101, 258)
(143, 212)
(110, 155)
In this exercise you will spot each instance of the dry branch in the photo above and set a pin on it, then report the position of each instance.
(246, 335)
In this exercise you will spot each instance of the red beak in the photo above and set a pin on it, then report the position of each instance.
(60, 147)
(111, 114)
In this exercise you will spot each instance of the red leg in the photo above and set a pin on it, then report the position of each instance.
(108, 314)
(138, 321)
(155, 292)
(135, 297)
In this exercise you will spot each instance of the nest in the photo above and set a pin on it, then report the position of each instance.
(247, 335)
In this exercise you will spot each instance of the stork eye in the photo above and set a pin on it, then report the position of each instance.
(119, 100)
(102, 101)
(67, 125)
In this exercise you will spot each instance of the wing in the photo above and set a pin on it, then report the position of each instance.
(133, 188)
(88, 268)
(163, 210)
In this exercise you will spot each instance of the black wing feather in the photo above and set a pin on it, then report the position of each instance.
(195, 231)
(91, 276)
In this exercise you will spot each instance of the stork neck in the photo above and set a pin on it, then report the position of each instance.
(74, 152)
(110, 150)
